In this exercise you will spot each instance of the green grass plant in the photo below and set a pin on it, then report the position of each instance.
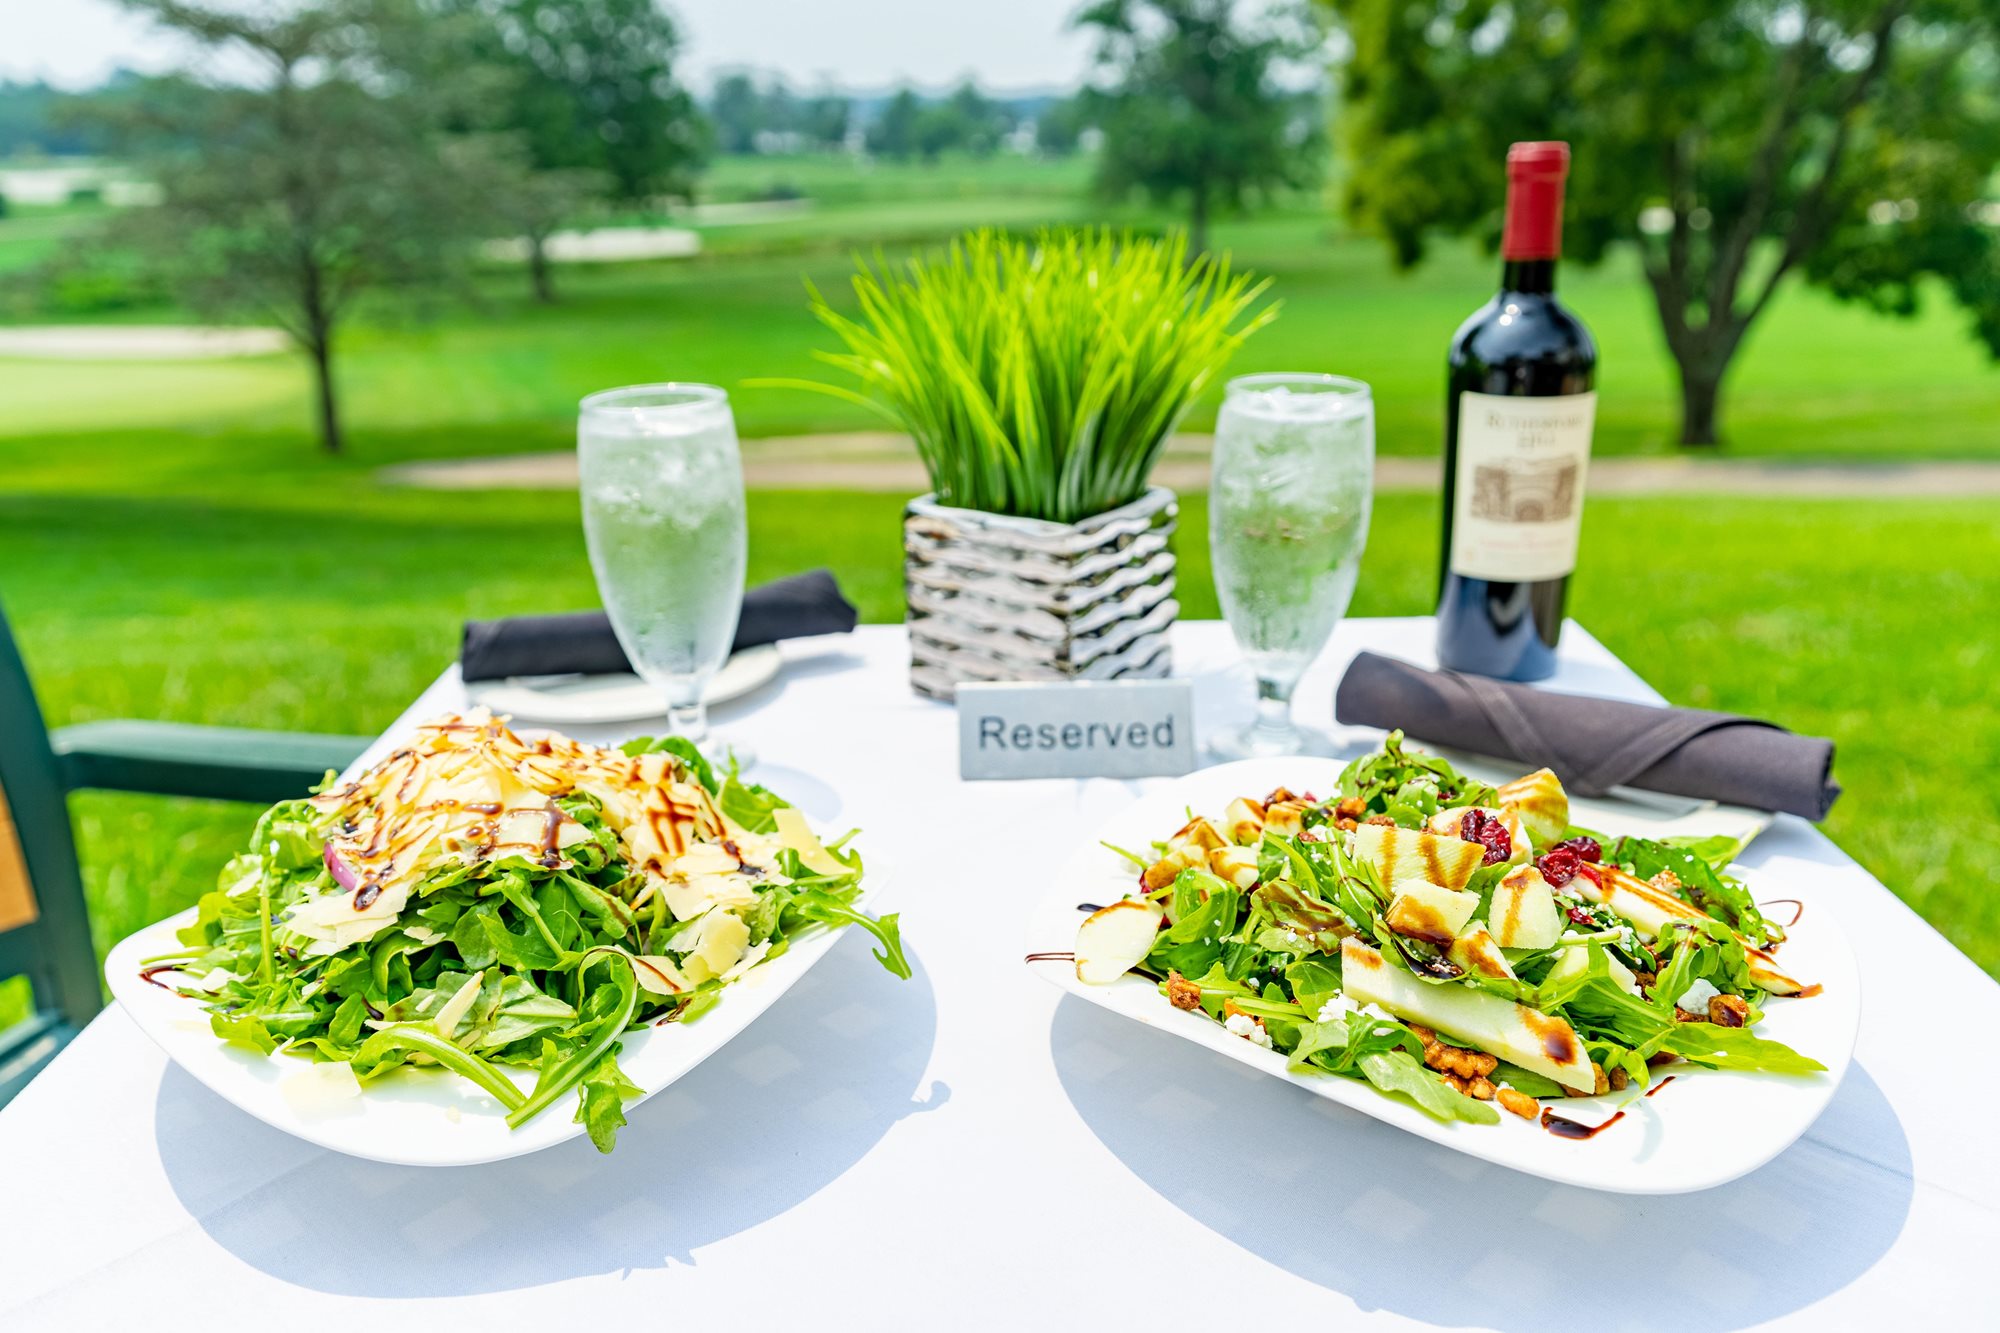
(1042, 378)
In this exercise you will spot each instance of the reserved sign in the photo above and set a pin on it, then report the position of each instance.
(1076, 729)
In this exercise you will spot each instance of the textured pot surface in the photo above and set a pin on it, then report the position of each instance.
(993, 597)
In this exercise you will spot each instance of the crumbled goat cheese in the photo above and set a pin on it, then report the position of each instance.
(1248, 1028)
(1695, 998)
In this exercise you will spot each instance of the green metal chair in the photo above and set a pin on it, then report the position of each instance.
(44, 924)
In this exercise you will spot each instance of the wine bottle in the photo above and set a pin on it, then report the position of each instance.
(1519, 410)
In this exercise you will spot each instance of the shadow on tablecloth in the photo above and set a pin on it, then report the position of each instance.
(1396, 1223)
(765, 1123)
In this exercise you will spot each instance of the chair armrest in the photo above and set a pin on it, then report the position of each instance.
(179, 759)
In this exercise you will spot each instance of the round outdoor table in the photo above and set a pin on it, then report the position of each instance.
(971, 1149)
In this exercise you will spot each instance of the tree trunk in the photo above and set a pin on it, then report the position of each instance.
(1198, 222)
(539, 273)
(1701, 392)
(321, 351)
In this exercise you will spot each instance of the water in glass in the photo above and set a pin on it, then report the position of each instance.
(662, 485)
(1294, 474)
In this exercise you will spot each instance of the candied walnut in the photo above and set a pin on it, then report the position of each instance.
(1646, 980)
(1666, 880)
(1728, 1011)
(1520, 1103)
(1381, 819)
(1351, 808)
(1345, 825)
(1454, 1061)
(1619, 1078)
(1182, 993)
(1481, 1089)
(1161, 873)
(1603, 1079)
(1279, 794)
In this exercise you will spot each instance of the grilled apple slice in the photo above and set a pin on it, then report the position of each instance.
(1400, 853)
(1476, 951)
(1541, 803)
(1113, 939)
(1430, 912)
(1514, 1032)
(1524, 914)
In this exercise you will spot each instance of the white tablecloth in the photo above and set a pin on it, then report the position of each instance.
(971, 1149)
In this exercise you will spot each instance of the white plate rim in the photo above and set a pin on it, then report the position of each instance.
(1094, 874)
(520, 697)
(654, 1058)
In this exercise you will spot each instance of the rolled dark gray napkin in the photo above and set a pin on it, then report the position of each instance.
(582, 641)
(1596, 744)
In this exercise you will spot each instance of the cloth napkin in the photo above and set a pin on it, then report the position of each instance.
(1596, 744)
(582, 641)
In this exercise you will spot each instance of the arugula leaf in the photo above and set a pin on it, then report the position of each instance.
(601, 1107)
(750, 805)
(246, 1030)
(829, 909)
(1399, 1072)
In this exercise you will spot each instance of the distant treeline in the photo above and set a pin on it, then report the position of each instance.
(751, 113)
(747, 114)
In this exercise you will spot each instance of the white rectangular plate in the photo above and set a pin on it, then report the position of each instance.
(1704, 1129)
(426, 1117)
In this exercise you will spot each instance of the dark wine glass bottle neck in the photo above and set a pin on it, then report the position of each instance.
(1536, 277)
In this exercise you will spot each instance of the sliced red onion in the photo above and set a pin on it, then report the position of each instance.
(343, 874)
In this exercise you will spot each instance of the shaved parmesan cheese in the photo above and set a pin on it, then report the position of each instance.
(795, 833)
(718, 944)
(331, 918)
(688, 898)
(750, 959)
(459, 1004)
(658, 974)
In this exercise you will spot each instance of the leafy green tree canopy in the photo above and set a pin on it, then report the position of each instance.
(1197, 109)
(1731, 143)
(288, 193)
(591, 87)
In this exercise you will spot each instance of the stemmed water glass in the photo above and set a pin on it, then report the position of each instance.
(1294, 472)
(662, 484)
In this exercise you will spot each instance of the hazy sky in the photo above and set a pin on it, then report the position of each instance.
(860, 43)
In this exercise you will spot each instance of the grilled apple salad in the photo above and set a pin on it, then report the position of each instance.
(478, 900)
(1451, 943)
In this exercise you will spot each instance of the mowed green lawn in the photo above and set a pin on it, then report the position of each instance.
(492, 372)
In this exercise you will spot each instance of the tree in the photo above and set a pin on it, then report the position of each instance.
(1731, 143)
(308, 178)
(1059, 129)
(582, 99)
(737, 111)
(893, 133)
(827, 117)
(1196, 109)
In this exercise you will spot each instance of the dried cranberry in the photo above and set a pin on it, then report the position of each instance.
(1587, 849)
(1488, 832)
(1581, 916)
(1559, 865)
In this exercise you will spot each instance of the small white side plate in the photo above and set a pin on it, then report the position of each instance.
(1704, 1129)
(419, 1117)
(584, 700)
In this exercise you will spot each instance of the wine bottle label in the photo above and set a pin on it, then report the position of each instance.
(1518, 496)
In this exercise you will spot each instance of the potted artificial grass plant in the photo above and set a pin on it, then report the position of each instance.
(1040, 380)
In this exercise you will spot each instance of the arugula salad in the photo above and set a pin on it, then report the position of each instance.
(477, 901)
(1452, 943)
